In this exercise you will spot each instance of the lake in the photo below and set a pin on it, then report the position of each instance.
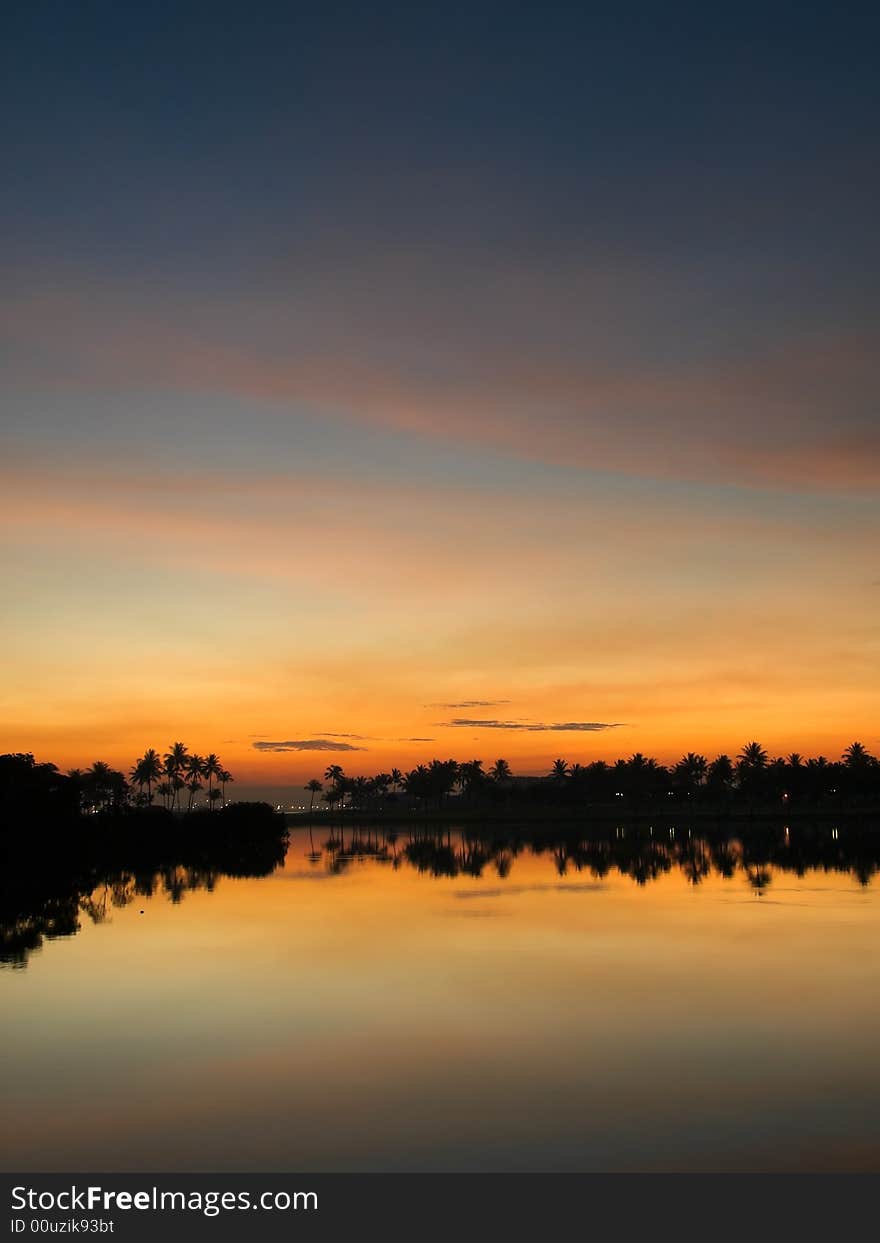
(434, 1002)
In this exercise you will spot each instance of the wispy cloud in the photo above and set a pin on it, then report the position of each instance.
(534, 726)
(731, 412)
(329, 733)
(305, 744)
(413, 739)
(472, 703)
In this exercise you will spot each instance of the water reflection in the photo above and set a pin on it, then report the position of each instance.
(47, 891)
(47, 894)
(637, 853)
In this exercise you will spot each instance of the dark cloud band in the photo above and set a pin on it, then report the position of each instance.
(536, 727)
(305, 744)
(472, 703)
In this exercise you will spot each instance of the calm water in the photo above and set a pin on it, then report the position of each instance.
(522, 1011)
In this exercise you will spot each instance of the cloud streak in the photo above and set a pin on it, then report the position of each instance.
(305, 744)
(535, 727)
(471, 703)
(799, 413)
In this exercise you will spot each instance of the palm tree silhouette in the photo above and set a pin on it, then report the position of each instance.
(691, 771)
(721, 771)
(151, 766)
(336, 776)
(470, 775)
(98, 778)
(211, 768)
(194, 768)
(314, 787)
(856, 755)
(224, 778)
(138, 777)
(193, 785)
(753, 756)
(500, 771)
(559, 770)
(175, 763)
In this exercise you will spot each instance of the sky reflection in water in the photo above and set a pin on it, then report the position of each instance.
(537, 1012)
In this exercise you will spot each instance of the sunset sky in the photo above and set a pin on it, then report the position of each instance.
(383, 382)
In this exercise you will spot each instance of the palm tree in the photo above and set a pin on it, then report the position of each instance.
(224, 778)
(470, 775)
(211, 768)
(194, 767)
(856, 755)
(694, 765)
(360, 790)
(193, 785)
(98, 779)
(721, 771)
(752, 756)
(500, 771)
(151, 766)
(336, 776)
(166, 791)
(559, 770)
(137, 776)
(691, 771)
(752, 770)
(314, 787)
(174, 764)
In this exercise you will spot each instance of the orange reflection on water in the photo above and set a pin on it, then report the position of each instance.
(382, 1018)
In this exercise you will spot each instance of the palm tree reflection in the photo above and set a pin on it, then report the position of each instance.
(45, 894)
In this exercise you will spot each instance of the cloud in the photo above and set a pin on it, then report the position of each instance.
(328, 733)
(798, 412)
(414, 740)
(534, 726)
(305, 744)
(472, 703)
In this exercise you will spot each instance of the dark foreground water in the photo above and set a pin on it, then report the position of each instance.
(444, 1004)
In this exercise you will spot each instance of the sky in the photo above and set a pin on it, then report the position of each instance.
(382, 382)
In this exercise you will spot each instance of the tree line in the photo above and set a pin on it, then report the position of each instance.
(752, 777)
(175, 778)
